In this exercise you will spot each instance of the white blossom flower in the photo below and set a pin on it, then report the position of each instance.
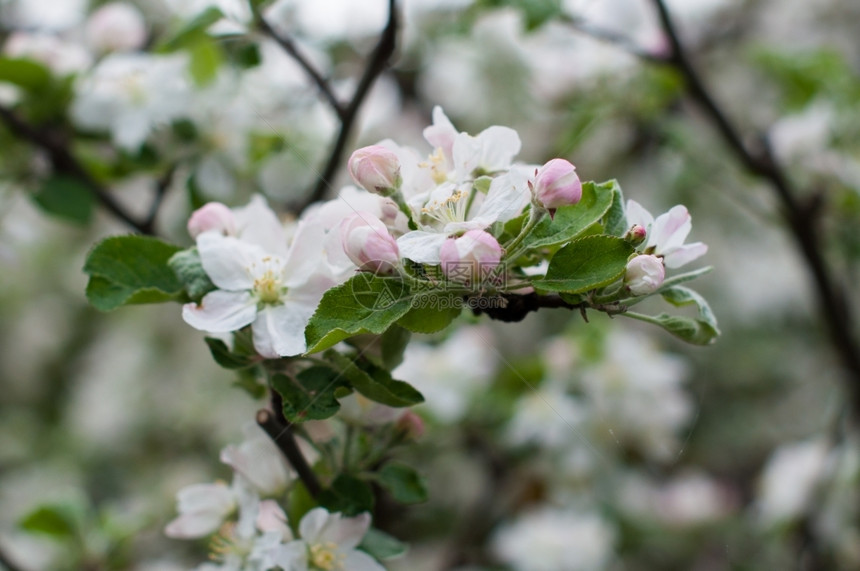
(262, 283)
(202, 510)
(259, 462)
(131, 94)
(666, 234)
(553, 539)
(328, 541)
(789, 480)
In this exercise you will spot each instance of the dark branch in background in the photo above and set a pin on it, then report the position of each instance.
(290, 47)
(161, 187)
(611, 37)
(800, 216)
(65, 163)
(378, 61)
(282, 435)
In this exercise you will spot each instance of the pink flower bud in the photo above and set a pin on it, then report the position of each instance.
(556, 184)
(212, 216)
(636, 235)
(368, 244)
(471, 257)
(375, 169)
(411, 425)
(644, 274)
(117, 26)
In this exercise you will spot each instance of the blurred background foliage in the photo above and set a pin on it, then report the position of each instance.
(640, 452)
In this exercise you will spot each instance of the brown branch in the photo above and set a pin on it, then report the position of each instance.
(799, 216)
(291, 48)
(379, 60)
(282, 435)
(64, 162)
(161, 187)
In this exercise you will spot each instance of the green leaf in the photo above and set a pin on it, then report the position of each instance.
(226, 358)
(25, 73)
(348, 495)
(193, 31)
(586, 264)
(311, 395)
(374, 382)
(392, 345)
(435, 315)
(685, 328)
(364, 304)
(680, 296)
(67, 198)
(189, 269)
(616, 217)
(403, 482)
(206, 58)
(248, 379)
(130, 269)
(571, 221)
(50, 520)
(381, 546)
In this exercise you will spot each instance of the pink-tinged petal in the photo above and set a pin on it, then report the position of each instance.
(506, 198)
(292, 556)
(441, 134)
(636, 214)
(279, 330)
(422, 247)
(685, 254)
(670, 229)
(271, 517)
(360, 561)
(313, 524)
(258, 224)
(221, 311)
(345, 532)
(227, 261)
(306, 253)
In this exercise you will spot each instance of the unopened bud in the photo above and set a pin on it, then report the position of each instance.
(368, 243)
(411, 425)
(212, 216)
(375, 169)
(117, 26)
(636, 235)
(557, 184)
(471, 257)
(644, 274)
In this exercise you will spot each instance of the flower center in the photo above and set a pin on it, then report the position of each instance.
(436, 164)
(451, 209)
(326, 556)
(268, 287)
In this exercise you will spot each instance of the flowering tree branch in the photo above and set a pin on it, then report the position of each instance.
(348, 113)
(282, 435)
(64, 162)
(800, 216)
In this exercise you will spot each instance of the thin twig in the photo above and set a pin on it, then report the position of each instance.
(161, 187)
(291, 48)
(283, 437)
(65, 163)
(800, 216)
(611, 37)
(379, 60)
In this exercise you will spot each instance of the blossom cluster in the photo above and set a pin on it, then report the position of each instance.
(419, 218)
(250, 530)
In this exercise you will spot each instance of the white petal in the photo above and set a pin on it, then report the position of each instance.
(313, 523)
(293, 556)
(346, 532)
(227, 260)
(441, 133)
(306, 253)
(685, 254)
(360, 561)
(422, 247)
(279, 330)
(505, 200)
(221, 311)
(258, 224)
(670, 229)
(636, 214)
(193, 526)
(499, 146)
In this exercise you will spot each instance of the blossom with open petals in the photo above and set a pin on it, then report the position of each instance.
(328, 541)
(666, 234)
